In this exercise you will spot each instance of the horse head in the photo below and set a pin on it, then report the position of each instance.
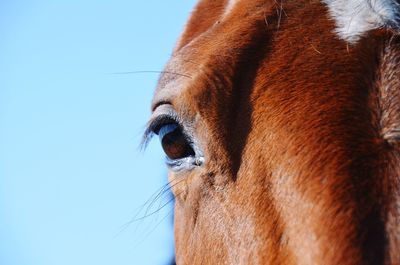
(281, 125)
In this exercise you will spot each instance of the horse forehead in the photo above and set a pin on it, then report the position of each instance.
(354, 17)
(352, 20)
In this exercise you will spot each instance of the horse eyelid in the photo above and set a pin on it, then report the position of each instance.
(154, 125)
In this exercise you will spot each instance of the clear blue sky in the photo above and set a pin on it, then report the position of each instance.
(71, 173)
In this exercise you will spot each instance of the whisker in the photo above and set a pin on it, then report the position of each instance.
(158, 195)
(169, 212)
(152, 72)
(139, 209)
(154, 212)
(154, 228)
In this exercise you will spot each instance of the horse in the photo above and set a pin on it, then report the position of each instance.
(280, 121)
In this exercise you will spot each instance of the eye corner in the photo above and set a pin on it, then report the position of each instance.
(185, 164)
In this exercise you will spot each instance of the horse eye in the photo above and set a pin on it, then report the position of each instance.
(174, 142)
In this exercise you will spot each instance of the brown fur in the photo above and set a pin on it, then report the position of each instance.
(299, 133)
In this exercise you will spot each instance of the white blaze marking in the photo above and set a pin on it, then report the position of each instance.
(356, 17)
(229, 7)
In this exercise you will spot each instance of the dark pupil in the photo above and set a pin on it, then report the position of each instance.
(175, 145)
